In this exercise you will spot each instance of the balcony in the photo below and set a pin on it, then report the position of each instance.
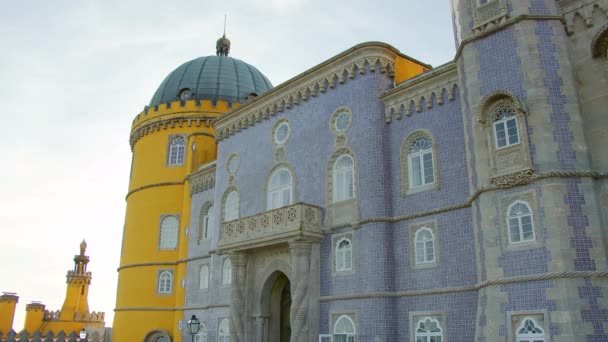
(271, 227)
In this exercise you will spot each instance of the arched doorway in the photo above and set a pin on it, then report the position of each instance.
(275, 307)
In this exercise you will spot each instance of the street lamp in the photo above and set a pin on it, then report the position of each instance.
(193, 326)
(83, 335)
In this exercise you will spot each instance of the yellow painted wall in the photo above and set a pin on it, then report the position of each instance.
(34, 313)
(406, 69)
(8, 303)
(155, 190)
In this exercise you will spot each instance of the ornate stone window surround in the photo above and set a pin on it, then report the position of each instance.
(277, 167)
(226, 278)
(161, 273)
(347, 210)
(223, 338)
(205, 224)
(516, 318)
(405, 167)
(335, 240)
(334, 116)
(233, 163)
(276, 125)
(508, 159)
(170, 139)
(201, 285)
(415, 227)
(160, 231)
(334, 316)
(225, 198)
(529, 197)
(491, 13)
(416, 316)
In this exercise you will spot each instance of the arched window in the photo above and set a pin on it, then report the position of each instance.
(203, 279)
(506, 132)
(206, 223)
(344, 330)
(202, 333)
(420, 161)
(519, 221)
(231, 209)
(176, 151)
(223, 334)
(424, 246)
(280, 187)
(227, 272)
(344, 255)
(428, 329)
(169, 227)
(344, 178)
(530, 331)
(165, 282)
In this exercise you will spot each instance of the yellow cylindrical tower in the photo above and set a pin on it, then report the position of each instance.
(170, 139)
(34, 313)
(8, 303)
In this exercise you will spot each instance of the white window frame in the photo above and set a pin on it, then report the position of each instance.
(207, 222)
(227, 272)
(503, 122)
(202, 333)
(347, 183)
(519, 223)
(232, 206)
(280, 189)
(223, 336)
(350, 337)
(419, 155)
(527, 337)
(326, 338)
(177, 150)
(168, 235)
(165, 282)
(203, 283)
(426, 336)
(341, 256)
(424, 242)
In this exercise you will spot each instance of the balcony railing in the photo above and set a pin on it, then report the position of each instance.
(271, 227)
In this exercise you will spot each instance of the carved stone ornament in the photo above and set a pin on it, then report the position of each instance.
(280, 154)
(341, 140)
(488, 15)
(494, 104)
(514, 179)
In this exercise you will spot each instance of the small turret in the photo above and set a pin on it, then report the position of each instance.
(223, 46)
(8, 303)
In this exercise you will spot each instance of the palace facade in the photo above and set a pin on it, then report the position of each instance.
(377, 198)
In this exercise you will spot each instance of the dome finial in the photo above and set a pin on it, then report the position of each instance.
(222, 46)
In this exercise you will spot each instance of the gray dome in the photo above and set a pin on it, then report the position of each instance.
(212, 78)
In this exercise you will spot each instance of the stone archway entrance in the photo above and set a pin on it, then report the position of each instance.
(275, 308)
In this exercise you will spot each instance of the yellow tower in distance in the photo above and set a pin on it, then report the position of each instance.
(8, 303)
(170, 139)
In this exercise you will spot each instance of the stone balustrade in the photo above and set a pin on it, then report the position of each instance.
(299, 220)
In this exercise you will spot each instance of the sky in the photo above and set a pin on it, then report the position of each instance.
(74, 74)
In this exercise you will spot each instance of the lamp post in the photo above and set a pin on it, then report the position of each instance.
(83, 335)
(193, 326)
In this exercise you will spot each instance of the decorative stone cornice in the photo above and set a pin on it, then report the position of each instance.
(421, 89)
(501, 182)
(202, 179)
(9, 297)
(168, 123)
(372, 57)
(476, 287)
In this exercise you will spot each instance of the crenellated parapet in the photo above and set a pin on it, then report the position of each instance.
(74, 277)
(421, 93)
(177, 114)
(362, 59)
(94, 335)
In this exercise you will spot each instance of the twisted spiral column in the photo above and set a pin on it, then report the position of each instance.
(300, 299)
(237, 296)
